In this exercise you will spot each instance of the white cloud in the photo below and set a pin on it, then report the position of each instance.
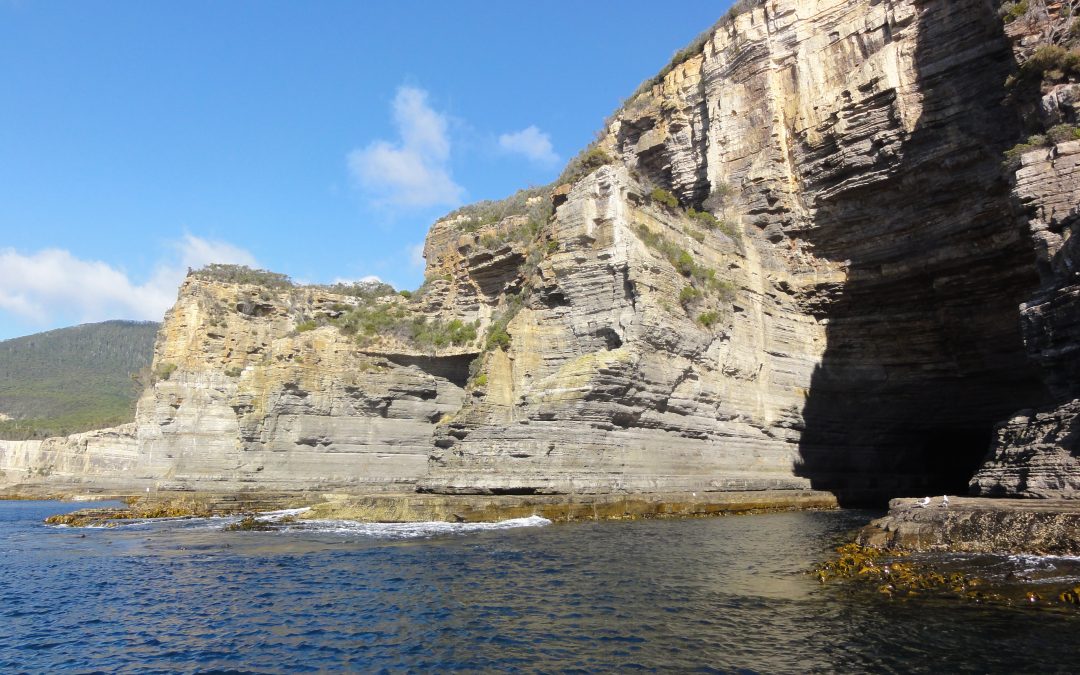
(369, 279)
(415, 171)
(416, 255)
(530, 142)
(195, 252)
(52, 286)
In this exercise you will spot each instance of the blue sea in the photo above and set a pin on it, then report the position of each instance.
(701, 595)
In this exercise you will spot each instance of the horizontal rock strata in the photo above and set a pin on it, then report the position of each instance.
(93, 459)
(792, 262)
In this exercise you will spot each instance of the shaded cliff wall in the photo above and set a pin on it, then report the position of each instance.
(924, 349)
(1036, 452)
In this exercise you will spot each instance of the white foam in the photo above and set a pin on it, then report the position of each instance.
(410, 530)
(274, 516)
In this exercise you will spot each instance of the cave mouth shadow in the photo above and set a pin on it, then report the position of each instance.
(923, 348)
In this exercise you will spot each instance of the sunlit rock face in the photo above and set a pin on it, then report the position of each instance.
(250, 401)
(871, 341)
(793, 261)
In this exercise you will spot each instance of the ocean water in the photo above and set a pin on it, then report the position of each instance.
(703, 595)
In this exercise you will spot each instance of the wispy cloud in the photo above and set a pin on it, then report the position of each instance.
(369, 279)
(52, 286)
(413, 172)
(416, 255)
(531, 143)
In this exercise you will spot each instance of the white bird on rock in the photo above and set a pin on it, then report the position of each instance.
(945, 502)
(923, 503)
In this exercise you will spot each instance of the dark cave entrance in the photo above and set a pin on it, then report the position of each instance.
(455, 369)
(924, 354)
(949, 457)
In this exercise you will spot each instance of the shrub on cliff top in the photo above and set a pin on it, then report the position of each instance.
(1062, 133)
(436, 333)
(1048, 63)
(696, 46)
(242, 274)
(533, 203)
(589, 160)
(365, 290)
(1011, 11)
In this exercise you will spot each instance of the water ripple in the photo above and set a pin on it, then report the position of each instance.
(713, 595)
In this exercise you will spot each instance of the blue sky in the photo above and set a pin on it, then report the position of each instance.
(319, 139)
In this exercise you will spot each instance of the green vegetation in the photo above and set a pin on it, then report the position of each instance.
(703, 282)
(590, 159)
(419, 293)
(380, 318)
(696, 47)
(533, 203)
(1011, 11)
(305, 326)
(523, 234)
(365, 290)
(1048, 63)
(679, 257)
(72, 379)
(688, 295)
(662, 196)
(711, 222)
(1062, 133)
(696, 235)
(480, 380)
(371, 320)
(437, 333)
(497, 337)
(235, 371)
(164, 371)
(702, 218)
(1056, 134)
(241, 274)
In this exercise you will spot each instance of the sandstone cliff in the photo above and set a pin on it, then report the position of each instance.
(793, 260)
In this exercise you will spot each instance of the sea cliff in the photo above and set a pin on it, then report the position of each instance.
(794, 260)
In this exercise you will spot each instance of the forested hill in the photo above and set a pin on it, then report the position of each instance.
(72, 379)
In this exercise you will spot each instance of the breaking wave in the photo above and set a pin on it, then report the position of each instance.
(407, 530)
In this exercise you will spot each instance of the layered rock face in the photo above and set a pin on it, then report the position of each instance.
(871, 340)
(96, 459)
(1036, 453)
(610, 383)
(243, 399)
(794, 261)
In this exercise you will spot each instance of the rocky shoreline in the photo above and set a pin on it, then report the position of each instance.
(415, 507)
(979, 525)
